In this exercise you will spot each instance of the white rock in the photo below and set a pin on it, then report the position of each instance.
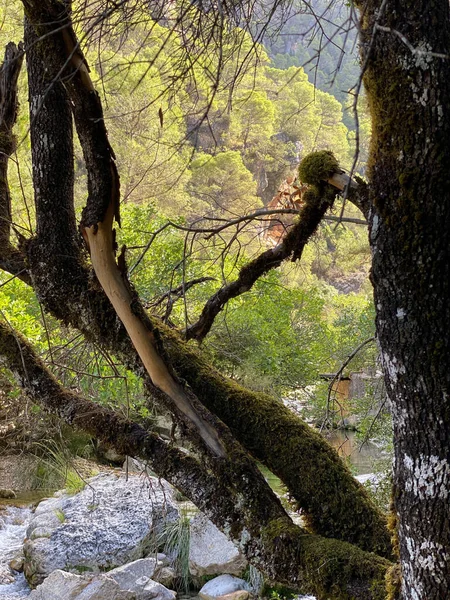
(110, 523)
(105, 588)
(210, 552)
(141, 578)
(60, 585)
(157, 591)
(222, 585)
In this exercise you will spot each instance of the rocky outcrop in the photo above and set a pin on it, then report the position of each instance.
(110, 523)
(210, 552)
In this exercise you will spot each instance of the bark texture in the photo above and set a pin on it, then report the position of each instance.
(405, 47)
(11, 259)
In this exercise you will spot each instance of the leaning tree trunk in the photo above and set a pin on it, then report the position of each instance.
(339, 507)
(407, 80)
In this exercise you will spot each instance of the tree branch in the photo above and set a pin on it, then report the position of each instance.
(292, 246)
(257, 524)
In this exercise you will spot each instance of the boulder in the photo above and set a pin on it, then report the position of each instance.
(110, 523)
(60, 586)
(7, 493)
(105, 588)
(144, 576)
(223, 585)
(210, 552)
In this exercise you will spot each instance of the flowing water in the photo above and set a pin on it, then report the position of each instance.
(13, 524)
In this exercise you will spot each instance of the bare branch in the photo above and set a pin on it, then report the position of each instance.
(338, 375)
(292, 247)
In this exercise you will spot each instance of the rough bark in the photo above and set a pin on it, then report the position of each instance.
(405, 49)
(251, 516)
(289, 448)
(11, 259)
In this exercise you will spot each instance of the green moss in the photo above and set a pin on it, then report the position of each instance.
(317, 167)
(393, 582)
(338, 507)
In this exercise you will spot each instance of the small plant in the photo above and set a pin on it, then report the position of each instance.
(61, 516)
(173, 540)
(55, 469)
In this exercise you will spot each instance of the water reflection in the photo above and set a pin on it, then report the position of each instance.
(361, 459)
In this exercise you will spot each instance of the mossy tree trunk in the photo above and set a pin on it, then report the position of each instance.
(406, 50)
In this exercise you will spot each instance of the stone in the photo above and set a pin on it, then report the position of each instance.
(16, 564)
(137, 575)
(7, 493)
(105, 588)
(108, 524)
(210, 552)
(240, 595)
(222, 586)
(156, 591)
(60, 585)
(165, 576)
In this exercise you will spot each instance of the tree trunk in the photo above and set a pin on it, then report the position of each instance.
(408, 85)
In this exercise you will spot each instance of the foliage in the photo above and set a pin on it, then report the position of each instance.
(56, 469)
(173, 541)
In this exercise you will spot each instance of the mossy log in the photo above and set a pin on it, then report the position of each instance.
(336, 505)
(285, 552)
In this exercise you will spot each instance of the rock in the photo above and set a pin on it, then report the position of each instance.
(210, 552)
(224, 585)
(154, 590)
(165, 576)
(7, 493)
(240, 595)
(108, 524)
(105, 588)
(60, 586)
(17, 564)
(140, 574)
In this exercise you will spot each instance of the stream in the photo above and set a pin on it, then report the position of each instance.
(13, 524)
